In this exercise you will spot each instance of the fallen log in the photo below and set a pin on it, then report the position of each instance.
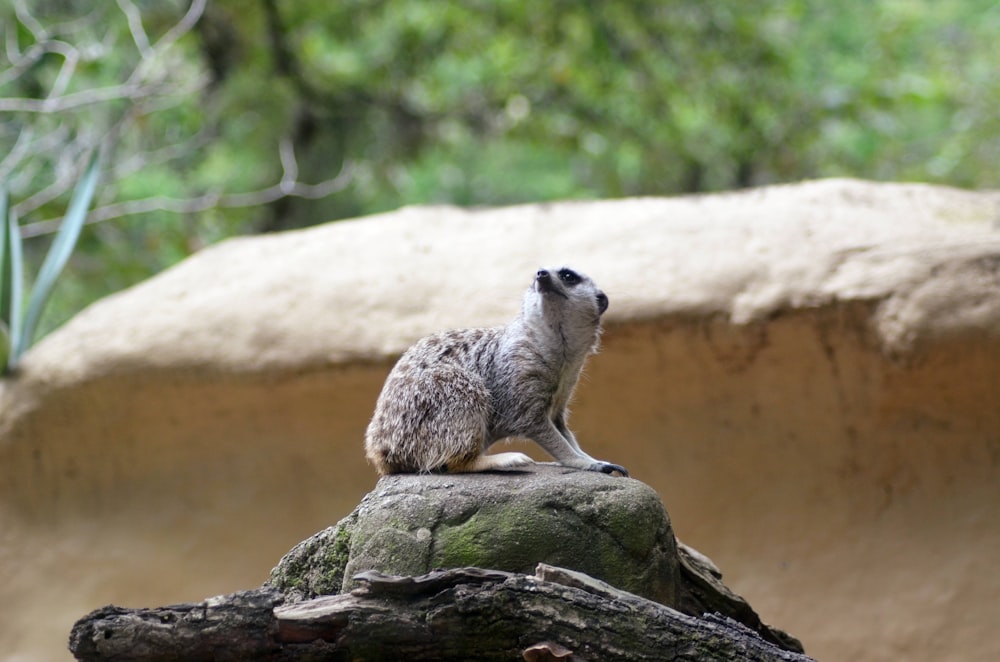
(457, 614)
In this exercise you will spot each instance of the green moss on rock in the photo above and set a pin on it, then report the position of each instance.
(611, 528)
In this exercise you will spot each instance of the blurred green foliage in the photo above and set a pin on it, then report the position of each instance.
(476, 103)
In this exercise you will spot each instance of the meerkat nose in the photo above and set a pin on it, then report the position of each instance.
(542, 274)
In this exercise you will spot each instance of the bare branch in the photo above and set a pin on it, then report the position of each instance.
(184, 26)
(71, 101)
(22, 62)
(171, 95)
(289, 166)
(126, 91)
(149, 93)
(56, 102)
(78, 23)
(19, 168)
(10, 45)
(139, 160)
(17, 152)
(134, 19)
(148, 87)
(204, 202)
(66, 171)
(29, 21)
(70, 58)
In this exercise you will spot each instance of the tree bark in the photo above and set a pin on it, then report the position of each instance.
(240, 625)
(457, 614)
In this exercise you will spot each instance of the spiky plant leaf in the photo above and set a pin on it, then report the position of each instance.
(4, 263)
(4, 282)
(59, 252)
(15, 286)
(4, 346)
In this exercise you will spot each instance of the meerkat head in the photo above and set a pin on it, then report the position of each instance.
(566, 300)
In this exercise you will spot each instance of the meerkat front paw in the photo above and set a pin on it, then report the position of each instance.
(608, 468)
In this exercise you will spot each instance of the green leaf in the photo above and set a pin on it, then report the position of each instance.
(59, 252)
(4, 282)
(15, 286)
(4, 264)
(4, 346)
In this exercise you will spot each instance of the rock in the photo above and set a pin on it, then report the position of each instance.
(807, 374)
(612, 529)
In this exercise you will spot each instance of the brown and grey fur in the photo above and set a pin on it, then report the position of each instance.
(453, 394)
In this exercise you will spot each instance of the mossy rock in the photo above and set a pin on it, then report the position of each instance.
(611, 528)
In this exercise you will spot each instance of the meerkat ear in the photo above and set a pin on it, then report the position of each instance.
(602, 302)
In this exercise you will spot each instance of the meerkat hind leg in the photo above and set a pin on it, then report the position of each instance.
(490, 462)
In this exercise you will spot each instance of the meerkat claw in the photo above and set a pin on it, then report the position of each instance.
(608, 468)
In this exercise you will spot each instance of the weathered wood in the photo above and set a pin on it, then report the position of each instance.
(704, 593)
(232, 627)
(455, 614)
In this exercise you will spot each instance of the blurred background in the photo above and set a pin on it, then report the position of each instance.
(230, 117)
(222, 118)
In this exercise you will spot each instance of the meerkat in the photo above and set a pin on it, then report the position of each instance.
(454, 394)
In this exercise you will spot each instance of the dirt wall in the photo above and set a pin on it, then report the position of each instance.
(833, 444)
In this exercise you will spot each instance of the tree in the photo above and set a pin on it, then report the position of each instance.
(230, 117)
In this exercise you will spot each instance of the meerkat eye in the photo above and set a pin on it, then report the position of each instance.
(569, 276)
